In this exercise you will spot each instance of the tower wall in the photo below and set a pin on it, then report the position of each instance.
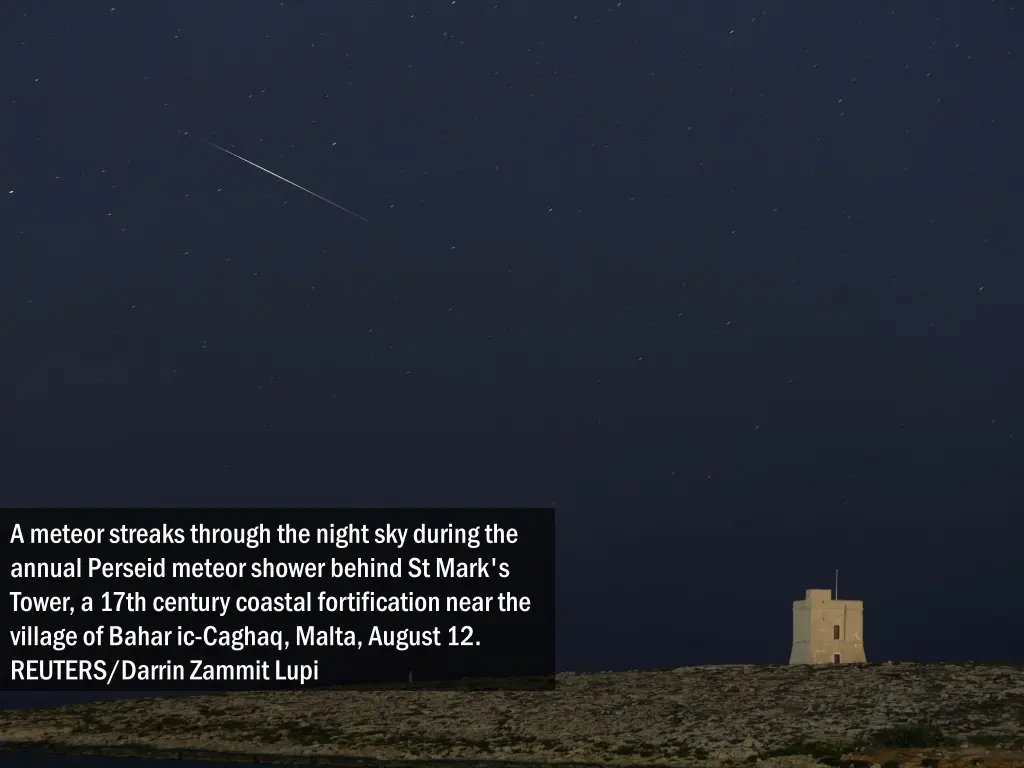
(824, 628)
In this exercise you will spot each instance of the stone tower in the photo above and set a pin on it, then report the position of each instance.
(827, 631)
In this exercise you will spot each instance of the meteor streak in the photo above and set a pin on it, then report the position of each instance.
(282, 178)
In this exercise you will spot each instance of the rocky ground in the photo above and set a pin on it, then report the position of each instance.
(913, 714)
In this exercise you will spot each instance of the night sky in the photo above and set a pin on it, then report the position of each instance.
(736, 286)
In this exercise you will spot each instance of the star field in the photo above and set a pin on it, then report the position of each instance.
(684, 269)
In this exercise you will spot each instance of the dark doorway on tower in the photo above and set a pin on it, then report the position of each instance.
(835, 658)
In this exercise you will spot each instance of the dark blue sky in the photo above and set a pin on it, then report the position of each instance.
(738, 286)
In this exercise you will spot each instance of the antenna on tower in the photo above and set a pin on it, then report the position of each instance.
(836, 596)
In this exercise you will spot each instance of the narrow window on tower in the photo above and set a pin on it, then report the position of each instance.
(835, 632)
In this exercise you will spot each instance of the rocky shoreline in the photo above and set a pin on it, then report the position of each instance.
(946, 714)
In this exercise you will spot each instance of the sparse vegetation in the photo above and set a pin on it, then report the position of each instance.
(986, 739)
(735, 714)
(830, 753)
(913, 735)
